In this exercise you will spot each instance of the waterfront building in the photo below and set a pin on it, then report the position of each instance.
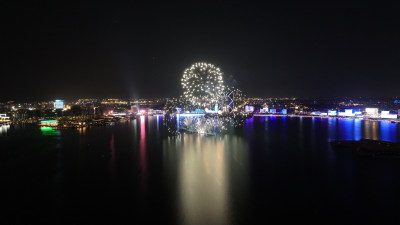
(332, 113)
(49, 123)
(347, 112)
(372, 112)
(387, 115)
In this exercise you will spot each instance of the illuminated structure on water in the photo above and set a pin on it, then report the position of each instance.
(49, 123)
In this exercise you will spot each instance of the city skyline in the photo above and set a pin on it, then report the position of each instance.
(125, 50)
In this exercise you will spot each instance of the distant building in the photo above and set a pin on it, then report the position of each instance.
(332, 113)
(372, 112)
(249, 108)
(387, 115)
(264, 110)
(4, 117)
(59, 104)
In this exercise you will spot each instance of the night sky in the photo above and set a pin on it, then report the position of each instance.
(79, 49)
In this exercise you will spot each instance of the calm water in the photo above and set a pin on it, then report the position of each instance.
(274, 169)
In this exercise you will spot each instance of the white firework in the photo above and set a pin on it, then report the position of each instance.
(203, 84)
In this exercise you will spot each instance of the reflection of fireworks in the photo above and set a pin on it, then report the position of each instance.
(203, 84)
(202, 125)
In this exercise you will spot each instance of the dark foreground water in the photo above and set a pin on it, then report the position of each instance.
(274, 170)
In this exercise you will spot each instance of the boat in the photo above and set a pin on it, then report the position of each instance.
(368, 147)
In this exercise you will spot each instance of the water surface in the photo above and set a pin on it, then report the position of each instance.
(273, 169)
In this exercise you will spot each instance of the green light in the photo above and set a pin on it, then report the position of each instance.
(46, 129)
(49, 121)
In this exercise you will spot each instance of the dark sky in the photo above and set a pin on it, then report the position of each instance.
(73, 49)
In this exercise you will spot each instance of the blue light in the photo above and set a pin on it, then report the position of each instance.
(332, 113)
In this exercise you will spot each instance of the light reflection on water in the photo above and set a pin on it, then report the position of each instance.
(142, 152)
(4, 129)
(203, 175)
(271, 166)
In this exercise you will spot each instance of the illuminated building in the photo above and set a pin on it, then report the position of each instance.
(49, 123)
(347, 112)
(59, 104)
(332, 113)
(372, 112)
(387, 115)
(249, 108)
(264, 110)
(4, 118)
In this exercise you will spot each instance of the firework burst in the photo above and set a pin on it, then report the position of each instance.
(203, 84)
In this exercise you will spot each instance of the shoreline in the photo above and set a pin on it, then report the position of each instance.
(328, 117)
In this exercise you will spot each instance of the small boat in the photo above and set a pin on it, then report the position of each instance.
(368, 147)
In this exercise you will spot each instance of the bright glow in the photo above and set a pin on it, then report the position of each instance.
(191, 114)
(46, 128)
(49, 122)
(272, 110)
(372, 111)
(118, 114)
(202, 84)
(48, 131)
(284, 111)
(387, 115)
(332, 113)
(59, 104)
(347, 112)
